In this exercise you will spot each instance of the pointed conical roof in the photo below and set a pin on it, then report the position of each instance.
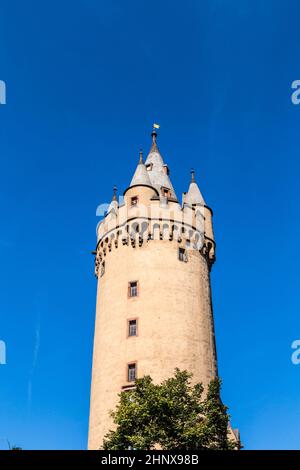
(157, 173)
(194, 196)
(141, 174)
(114, 203)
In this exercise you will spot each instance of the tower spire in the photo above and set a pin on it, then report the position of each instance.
(154, 144)
(192, 175)
(158, 175)
(115, 194)
(114, 202)
(141, 156)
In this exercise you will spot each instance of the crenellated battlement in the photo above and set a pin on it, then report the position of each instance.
(138, 231)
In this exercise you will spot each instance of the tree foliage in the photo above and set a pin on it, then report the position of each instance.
(171, 415)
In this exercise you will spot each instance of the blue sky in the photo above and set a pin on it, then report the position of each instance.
(85, 81)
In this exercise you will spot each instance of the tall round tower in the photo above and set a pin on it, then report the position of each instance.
(154, 309)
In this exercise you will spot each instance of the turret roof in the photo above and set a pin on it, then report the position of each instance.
(141, 176)
(114, 203)
(194, 196)
(157, 170)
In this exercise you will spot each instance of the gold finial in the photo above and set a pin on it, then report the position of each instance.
(154, 135)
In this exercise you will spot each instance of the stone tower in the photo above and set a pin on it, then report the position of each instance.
(154, 308)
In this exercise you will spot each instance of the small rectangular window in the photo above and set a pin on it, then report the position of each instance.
(182, 255)
(133, 289)
(132, 328)
(131, 373)
(134, 201)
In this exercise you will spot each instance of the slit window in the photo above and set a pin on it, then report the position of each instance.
(166, 192)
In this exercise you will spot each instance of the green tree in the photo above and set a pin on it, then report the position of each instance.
(172, 415)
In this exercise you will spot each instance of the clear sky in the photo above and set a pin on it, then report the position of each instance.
(85, 81)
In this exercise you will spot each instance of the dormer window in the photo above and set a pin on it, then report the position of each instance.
(149, 166)
(134, 201)
(166, 169)
(165, 192)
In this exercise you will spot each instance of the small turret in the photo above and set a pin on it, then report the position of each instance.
(141, 176)
(194, 196)
(114, 203)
